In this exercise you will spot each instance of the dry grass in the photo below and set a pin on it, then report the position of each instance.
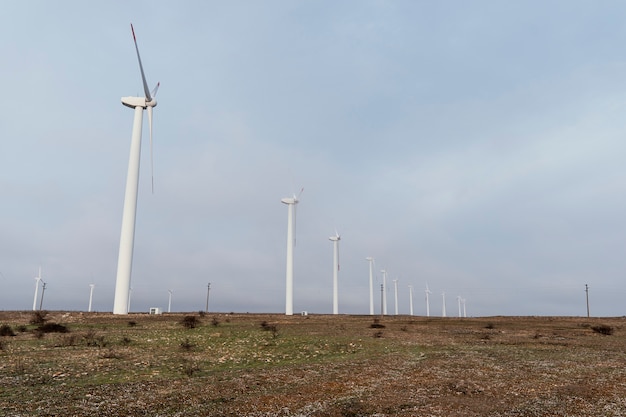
(312, 366)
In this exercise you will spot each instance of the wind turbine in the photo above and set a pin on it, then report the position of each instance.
(90, 295)
(371, 262)
(395, 291)
(443, 309)
(127, 236)
(428, 292)
(384, 272)
(291, 203)
(458, 299)
(37, 283)
(169, 302)
(464, 311)
(335, 239)
(410, 300)
(43, 290)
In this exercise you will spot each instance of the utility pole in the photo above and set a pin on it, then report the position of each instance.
(208, 290)
(586, 294)
(43, 290)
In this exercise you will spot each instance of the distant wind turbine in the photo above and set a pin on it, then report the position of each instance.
(335, 239)
(43, 291)
(458, 299)
(410, 300)
(371, 262)
(37, 283)
(127, 236)
(395, 292)
(464, 311)
(443, 309)
(90, 295)
(291, 203)
(428, 292)
(384, 291)
(169, 301)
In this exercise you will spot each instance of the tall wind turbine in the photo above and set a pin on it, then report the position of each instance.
(335, 239)
(291, 203)
(395, 292)
(90, 295)
(384, 291)
(410, 300)
(371, 262)
(127, 236)
(37, 283)
(169, 302)
(428, 292)
(458, 299)
(443, 309)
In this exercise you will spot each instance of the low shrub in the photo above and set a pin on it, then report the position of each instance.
(52, 328)
(39, 317)
(190, 322)
(377, 325)
(6, 330)
(603, 329)
(186, 345)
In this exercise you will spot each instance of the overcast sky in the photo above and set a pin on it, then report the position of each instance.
(474, 147)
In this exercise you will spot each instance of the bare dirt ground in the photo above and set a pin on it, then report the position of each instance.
(316, 365)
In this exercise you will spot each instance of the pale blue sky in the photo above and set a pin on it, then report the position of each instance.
(474, 146)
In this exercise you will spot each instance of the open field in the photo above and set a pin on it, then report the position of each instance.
(316, 365)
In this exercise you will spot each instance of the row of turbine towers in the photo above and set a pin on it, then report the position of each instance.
(291, 203)
(127, 235)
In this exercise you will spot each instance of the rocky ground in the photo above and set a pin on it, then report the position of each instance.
(316, 365)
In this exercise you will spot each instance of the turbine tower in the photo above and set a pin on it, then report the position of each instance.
(443, 309)
(458, 299)
(428, 292)
(395, 292)
(291, 203)
(169, 301)
(410, 300)
(371, 262)
(127, 236)
(384, 291)
(335, 239)
(90, 295)
(37, 283)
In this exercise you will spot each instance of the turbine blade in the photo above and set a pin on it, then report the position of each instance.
(156, 88)
(143, 76)
(151, 157)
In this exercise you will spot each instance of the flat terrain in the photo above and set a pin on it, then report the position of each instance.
(316, 365)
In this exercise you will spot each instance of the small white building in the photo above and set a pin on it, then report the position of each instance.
(155, 310)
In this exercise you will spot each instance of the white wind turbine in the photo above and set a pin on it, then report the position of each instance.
(371, 262)
(384, 272)
(37, 283)
(127, 237)
(169, 301)
(410, 300)
(443, 309)
(458, 299)
(428, 292)
(291, 222)
(395, 292)
(90, 295)
(464, 311)
(335, 239)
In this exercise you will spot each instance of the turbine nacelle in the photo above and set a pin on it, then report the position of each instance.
(134, 102)
(289, 200)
